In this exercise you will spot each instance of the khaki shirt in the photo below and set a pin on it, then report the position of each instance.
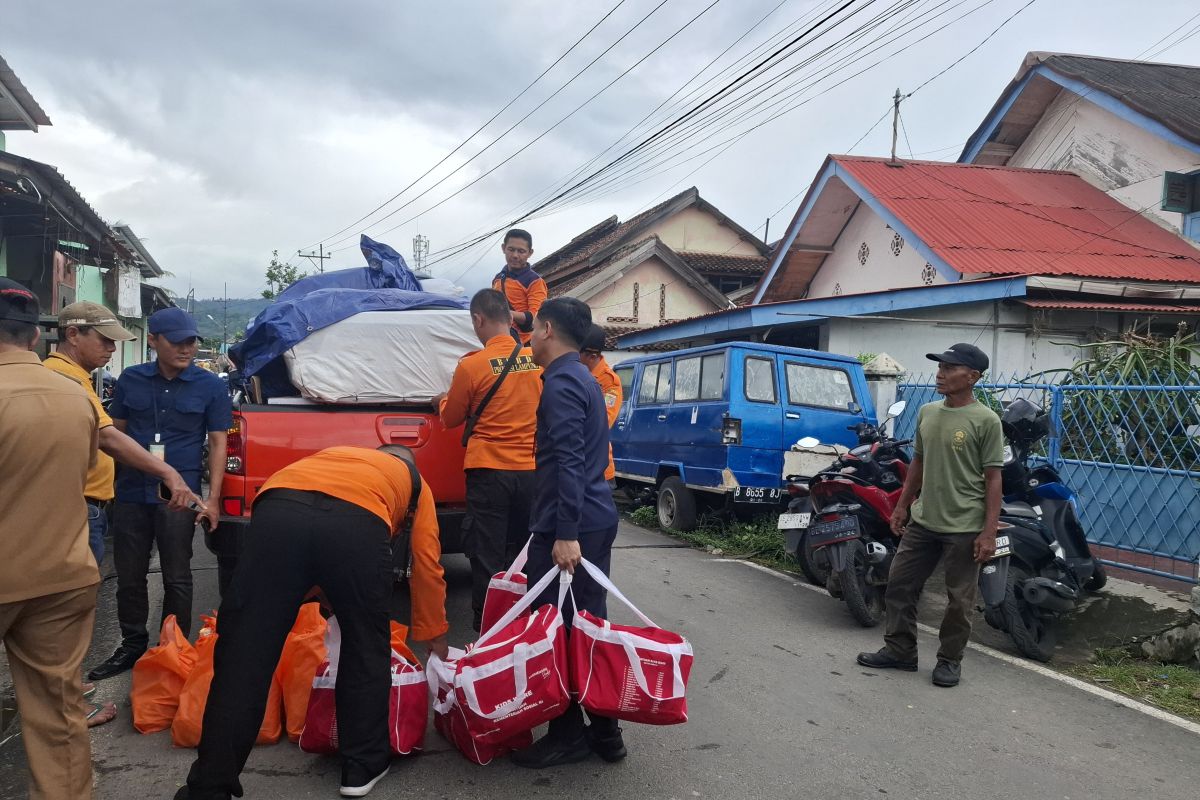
(48, 442)
(104, 471)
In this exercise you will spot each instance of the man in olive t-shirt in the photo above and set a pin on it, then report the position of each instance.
(958, 453)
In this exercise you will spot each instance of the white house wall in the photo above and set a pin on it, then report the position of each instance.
(698, 230)
(844, 273)
(616, 299)
(1118, 157)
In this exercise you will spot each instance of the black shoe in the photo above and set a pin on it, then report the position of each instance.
(185, 793)
(357, 783)
(609, 746)
(885, 660)
(947, 673)
(123, 659)
(551, 751)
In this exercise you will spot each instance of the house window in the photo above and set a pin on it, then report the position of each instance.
(1191, 226)
(725, 285)
(634, 318)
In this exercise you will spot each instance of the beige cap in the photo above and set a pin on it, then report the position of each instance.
(94, 315)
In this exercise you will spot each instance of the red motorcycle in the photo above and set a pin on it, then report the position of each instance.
(850, 542)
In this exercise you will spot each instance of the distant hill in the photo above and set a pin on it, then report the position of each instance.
(240, 312)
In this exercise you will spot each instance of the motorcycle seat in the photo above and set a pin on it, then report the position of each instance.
(1017, 510)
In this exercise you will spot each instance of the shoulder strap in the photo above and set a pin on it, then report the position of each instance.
(402, 547)
(473, 418)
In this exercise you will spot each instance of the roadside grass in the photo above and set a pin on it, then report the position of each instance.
(759, 540)
(1171, 687)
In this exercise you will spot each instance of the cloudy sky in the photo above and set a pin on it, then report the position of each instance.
(225, 129)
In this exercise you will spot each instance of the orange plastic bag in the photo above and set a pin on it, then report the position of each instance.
(399, 634)
(303, 653)
(158, 678)
(189, 719)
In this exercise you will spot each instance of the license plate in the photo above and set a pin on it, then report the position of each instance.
(836, 530)
(789, 522)
(756, 494)
(1003, 547)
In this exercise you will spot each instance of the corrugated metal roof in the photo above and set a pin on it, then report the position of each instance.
(1005, 221)
(18, 110)
(1088, 305)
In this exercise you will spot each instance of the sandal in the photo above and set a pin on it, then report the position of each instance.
(101, 714)
(89, 689)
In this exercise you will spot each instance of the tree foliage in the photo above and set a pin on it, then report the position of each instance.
(280, 275)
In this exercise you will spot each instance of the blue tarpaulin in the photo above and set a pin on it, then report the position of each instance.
(385, 270)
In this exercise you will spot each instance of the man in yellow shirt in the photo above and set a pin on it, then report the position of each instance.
(87, 337)
(591, 353)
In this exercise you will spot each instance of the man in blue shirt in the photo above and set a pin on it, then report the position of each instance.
(573, 511)
(169, 406)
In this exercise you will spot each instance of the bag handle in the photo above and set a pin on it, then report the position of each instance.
(518, 564)
(333, 643)
(531, 596)
(599, 577)
(441, 673)
(473, 418)
(521, 655)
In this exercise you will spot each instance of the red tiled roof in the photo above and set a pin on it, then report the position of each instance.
(1006, 221)
(724, 263)
(1088, 305)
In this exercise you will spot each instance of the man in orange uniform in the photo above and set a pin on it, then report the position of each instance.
(592, 356)
(521, 286)
(325, 520)
(499, 460)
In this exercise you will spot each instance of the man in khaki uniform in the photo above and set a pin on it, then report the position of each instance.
(48, 576)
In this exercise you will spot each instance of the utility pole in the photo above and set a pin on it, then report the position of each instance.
(767, 231)
(420, 253)
(895, 123)
(318, 258)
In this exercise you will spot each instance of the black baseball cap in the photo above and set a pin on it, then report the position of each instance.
(594, 339)
(19, 304)
(967, 355)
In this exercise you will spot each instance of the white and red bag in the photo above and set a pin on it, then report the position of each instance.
(638, 674)
(408, 703)
(513, 679)
(505, 590)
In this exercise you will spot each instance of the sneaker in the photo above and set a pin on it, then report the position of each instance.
(551, 751)
(947, 673)
(120, 661)
(609, 746)
(352, 787)
(882, 659)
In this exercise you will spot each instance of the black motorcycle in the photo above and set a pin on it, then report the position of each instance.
(1051, 565)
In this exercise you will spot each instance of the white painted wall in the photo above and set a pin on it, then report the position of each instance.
(694, 229)
(616, 299)
(1118, 157)
(843, 273)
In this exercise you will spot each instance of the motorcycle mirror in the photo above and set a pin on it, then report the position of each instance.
(897, 408)
(809, 442)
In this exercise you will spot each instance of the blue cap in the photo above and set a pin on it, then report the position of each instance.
(173, 323)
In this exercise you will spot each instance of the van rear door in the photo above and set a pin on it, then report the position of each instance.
(754, 401)
(816, 399)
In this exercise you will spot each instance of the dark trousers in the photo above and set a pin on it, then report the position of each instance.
(589, 596)
(137, 528)
(97, 528)
(918, 555)
(298, 540)
(497, 525)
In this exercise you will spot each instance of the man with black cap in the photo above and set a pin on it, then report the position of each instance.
(48, 576)
(958, 453)
(591, 353)
(168, 406)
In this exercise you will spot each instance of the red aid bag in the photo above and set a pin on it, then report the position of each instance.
(319, 734)
(505, 590)
(631, 673)
(448, 718)
(408, 706)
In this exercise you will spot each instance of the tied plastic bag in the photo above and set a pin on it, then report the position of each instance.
(408, 700)
(189, 719)
(638, 674)
(505, 590)
(303, 652)
(158, 678)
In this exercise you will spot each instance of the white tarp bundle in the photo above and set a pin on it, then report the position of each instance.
(382, 356)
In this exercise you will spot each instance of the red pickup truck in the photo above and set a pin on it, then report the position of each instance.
(265, 438)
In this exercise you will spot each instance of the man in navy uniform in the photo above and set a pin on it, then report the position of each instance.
(573, 512)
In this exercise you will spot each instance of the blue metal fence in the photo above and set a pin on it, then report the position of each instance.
(1131, 453)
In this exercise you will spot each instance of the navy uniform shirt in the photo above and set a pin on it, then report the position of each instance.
(181, 412)
(572, 453)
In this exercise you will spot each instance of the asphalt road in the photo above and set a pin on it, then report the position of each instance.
(778, 709)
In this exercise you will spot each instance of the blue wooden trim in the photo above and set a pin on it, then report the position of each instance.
(1082, 90)
(1191, 226)
(796, 311)
(797, 223)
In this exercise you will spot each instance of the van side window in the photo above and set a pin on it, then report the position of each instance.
(712, 377)
(649, 385)
(818, 386)
(760, 380)
(664, 383)
(625, 374)
(687, 378)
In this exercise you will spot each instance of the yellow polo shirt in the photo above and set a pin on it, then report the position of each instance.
(100, 476)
